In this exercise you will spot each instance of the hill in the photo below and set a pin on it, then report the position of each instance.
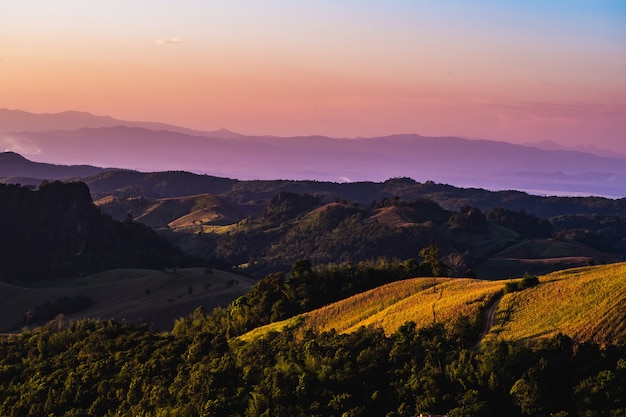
(586, 304)
(15, 165)
(422, 300)
(304, 227)
(154, 297)
(221, 219)
(166, 184)
(55, 231)
(180, 214)
(91, 367)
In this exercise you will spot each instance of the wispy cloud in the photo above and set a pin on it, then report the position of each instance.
(21, 146)
(169, 41)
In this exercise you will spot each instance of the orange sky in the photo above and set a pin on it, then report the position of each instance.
(508, 71)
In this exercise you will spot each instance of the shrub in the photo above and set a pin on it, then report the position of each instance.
(526, 282)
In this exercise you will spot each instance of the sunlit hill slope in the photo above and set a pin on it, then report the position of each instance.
(587, 304)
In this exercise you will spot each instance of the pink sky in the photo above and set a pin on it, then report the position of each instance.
(495, 70)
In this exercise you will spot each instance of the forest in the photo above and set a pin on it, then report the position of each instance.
(108, 368)
(203, 367)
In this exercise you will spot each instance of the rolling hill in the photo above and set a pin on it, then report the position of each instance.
(154, 297)
(205, 216)
(587, 304)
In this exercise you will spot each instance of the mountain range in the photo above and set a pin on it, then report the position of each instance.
(82, 138)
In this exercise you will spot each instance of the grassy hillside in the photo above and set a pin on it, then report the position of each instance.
(155, 297)
(422, 300)
(587, 304)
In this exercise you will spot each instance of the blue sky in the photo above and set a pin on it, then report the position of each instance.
(520, 71)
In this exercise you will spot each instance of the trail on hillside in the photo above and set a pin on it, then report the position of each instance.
(489, 317)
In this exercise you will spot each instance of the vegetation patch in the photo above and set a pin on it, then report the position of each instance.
(520, 285)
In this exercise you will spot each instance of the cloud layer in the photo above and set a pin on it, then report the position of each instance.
(170, 41)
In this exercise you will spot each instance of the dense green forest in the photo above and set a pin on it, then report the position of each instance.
(201, 368)
(107, 368)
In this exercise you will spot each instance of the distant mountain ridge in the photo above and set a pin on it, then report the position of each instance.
(104, 141)
(15, 165)
(22, 121)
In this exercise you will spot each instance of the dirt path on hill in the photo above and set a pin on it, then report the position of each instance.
(489, 317)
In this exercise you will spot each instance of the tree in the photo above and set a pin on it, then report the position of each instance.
(431, 257)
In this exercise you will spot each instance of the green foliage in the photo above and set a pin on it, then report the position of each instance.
(431, 256)
(469, 219)
(526, 282)
(605, 233)
(286, 205)
(110, 368)
(527, 226)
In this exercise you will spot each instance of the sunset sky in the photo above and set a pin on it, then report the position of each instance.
(519, 71)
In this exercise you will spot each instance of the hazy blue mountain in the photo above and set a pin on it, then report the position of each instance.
(457, 161)
(22, 121)
(13, 165)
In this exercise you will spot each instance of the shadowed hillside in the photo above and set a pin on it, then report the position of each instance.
(14, 165)
(154, 297)
(55, 231)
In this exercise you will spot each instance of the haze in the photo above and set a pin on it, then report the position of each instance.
(516, 71)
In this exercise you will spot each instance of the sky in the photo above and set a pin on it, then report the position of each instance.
(517, 71)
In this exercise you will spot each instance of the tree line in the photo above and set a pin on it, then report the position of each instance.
(109, 368)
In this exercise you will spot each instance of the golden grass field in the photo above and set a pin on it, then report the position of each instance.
(392, 305)
(587, 304)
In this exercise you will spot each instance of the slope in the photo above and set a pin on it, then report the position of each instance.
(421, 300)
(13, 165)
(587, 304)
(155, 297)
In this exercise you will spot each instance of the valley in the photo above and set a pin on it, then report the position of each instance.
(155, 298)
(395, 297)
